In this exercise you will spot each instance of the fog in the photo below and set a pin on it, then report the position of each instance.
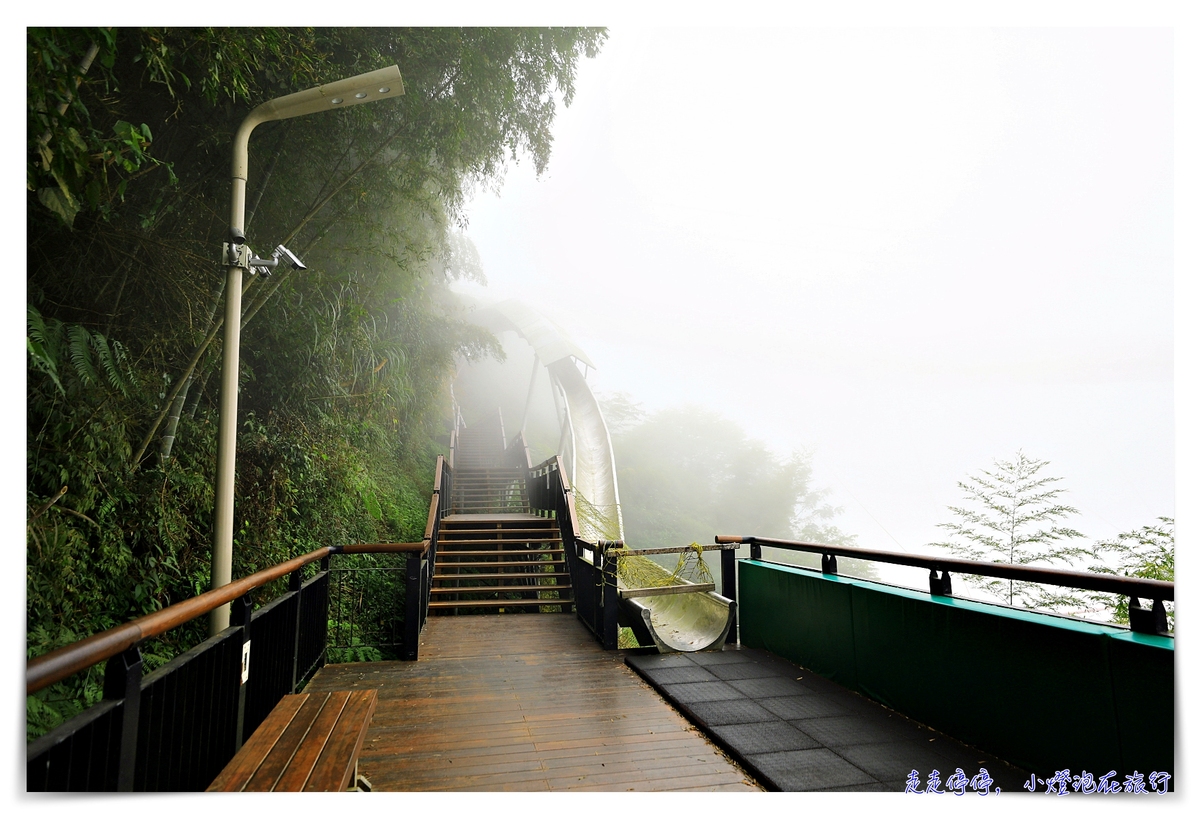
(486, 386)
(908, 251)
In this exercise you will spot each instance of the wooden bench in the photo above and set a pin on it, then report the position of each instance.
(308, 743)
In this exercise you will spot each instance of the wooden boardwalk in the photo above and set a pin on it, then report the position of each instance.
(524, 702)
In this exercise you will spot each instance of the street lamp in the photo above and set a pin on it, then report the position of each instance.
(237, 258)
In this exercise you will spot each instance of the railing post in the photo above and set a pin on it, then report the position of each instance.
(608, 574)
(123, 680)
(296, 586)
(325, 609)
(939, 586)
(729, 586)
(413, 594)
(428, 564)
(1151, 620)
(829, 564)
(240, 615)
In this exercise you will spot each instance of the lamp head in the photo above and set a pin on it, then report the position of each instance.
(370, 87)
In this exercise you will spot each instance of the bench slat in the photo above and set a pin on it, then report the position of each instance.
(308, 742)
(246, 762)
(300, 767)
(334, 770)
(279, 756)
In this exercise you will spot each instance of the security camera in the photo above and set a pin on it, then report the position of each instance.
(283, 251)
(236, 237)
(265, 266)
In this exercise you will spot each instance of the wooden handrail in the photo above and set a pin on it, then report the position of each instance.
(1130, 586)
(385, 548)
(62, 662)
(435, 501)
(566, 486)
(514, 451)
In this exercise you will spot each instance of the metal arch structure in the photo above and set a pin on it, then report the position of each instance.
(584, 441)
(676, 622)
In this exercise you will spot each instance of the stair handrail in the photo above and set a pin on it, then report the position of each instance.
(517, 454)
(456, 421)
(435, 510)
(439, 507)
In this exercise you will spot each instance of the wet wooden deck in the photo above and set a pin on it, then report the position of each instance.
(524, 702)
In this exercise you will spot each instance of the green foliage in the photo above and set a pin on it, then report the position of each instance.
(367, 593)
(75, 165)
(344, 368)
(1012, 515)
(1147, 552)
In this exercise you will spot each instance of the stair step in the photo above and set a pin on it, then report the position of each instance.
(496, 603)
(496, 589)
(497, 563)
(487, 492)
(479, 469)
(514, 541)
(484, 491)
(496, 552)
(476, 523)
(478, 531)
(501, 563)
(510, 575)
(516, 555)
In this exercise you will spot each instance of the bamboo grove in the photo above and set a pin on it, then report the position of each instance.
(345, 365)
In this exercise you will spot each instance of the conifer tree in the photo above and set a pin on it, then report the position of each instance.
(1147, 552)
(1012, 514)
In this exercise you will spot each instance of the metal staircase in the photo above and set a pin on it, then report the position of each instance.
(494, 556)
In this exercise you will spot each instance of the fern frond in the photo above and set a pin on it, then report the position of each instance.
(41, 341)
(79, 347)
(108, 362)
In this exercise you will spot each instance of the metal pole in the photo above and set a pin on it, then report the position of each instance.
(341, 94)
(222, 553)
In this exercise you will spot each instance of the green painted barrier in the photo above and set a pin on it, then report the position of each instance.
(1043, 692)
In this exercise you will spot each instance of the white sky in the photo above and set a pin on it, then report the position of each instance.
(913, 250)
(910, 250)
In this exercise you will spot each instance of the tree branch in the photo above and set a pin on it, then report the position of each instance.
(46, 506)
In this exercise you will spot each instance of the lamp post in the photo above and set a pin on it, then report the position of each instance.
(370, 87)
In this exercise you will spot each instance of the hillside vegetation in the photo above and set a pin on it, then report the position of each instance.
(344, 366)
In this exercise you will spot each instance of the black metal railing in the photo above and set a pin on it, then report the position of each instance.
(517, 456)
(1141, 619)
(592, 567)
(419, 572)
(365, 624)
(176, 728)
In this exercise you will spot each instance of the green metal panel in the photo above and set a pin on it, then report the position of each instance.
(1143, 678)
(811, 624)
(1028, 691)
(1044, 692)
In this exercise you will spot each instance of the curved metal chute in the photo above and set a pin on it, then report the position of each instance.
(681, 621)
(592, 470)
